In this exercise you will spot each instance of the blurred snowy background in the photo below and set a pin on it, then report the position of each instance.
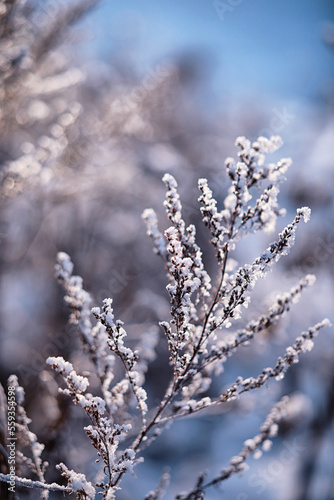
(89, 124)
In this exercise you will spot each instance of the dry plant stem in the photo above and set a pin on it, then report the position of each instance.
(159, 491)
(182, 378)
(176, 386)
(240, 386)
(237, 463)
(216, 298)
(127, 371)
(196, 350)
(281, 306)
(29, 483)
(30, 439)
(261, 263)
(143, 434)
(166, 400)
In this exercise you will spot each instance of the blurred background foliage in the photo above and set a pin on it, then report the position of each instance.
(97, 101)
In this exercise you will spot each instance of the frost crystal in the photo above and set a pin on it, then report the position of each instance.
(305, 212)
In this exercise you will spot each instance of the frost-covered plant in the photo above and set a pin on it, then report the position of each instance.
(200, 312)
(33, 73)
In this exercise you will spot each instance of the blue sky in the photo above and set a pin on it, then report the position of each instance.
(273, 48)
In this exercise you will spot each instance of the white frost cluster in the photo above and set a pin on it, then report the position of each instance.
(186, 235)
(77, 482)
(238, 216)
(181, 288)
(151, 220)
(75, 382)
(212, 218)
(77, 299)
(172, 203)
(95, 338)
(305, 212)
(115, 331)
(267, 145)
(129, 358)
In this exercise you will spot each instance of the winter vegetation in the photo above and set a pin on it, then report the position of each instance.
(200, 315)
(92, 405)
